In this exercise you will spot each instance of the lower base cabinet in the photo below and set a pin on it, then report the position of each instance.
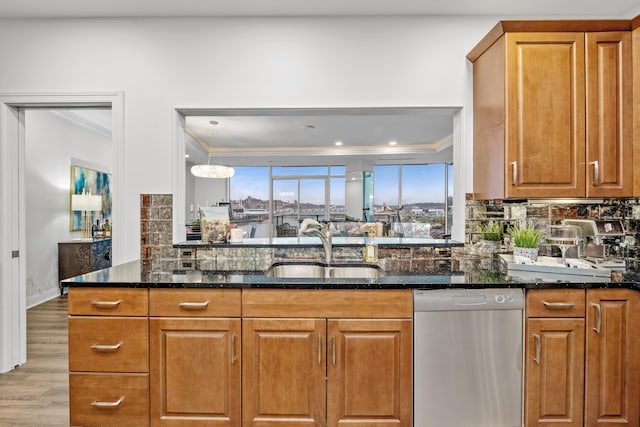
(317, 372)
(188, 357)
(582, 359)
(109, 399)
(195, 371)
(612, 361)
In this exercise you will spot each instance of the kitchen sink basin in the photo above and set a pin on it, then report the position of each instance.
(302, 270)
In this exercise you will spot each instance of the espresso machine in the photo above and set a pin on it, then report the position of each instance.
(600, 241)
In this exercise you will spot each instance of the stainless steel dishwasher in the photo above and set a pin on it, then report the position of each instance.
(468, 358)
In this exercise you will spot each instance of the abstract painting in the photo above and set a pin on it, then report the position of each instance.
(92, 181)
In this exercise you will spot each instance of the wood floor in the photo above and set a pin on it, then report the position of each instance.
(37, 393)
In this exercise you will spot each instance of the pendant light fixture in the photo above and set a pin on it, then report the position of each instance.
(209, 170)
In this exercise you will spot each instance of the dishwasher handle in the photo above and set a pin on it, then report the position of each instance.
(469, 300)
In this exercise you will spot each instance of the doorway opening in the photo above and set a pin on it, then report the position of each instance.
(13, 195)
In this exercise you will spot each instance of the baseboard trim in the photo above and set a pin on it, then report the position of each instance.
(47, 295)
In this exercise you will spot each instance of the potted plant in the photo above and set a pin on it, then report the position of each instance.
(491, 232)
(525, 243)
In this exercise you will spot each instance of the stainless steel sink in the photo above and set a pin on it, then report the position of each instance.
(302, 270)
(355, 271)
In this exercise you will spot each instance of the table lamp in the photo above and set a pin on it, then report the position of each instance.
(87, 204)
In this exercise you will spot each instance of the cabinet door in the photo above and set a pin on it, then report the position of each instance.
(284, 371)
(369, 373)
(554, 372)
(195, 372)
(613, 358)
(609, 107)
(545, 115)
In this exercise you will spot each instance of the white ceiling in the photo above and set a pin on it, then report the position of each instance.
(168, 8)
(295, 136)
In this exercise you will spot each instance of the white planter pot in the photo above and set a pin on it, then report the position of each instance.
(525, 255)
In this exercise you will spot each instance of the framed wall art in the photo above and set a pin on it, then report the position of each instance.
(89, 180)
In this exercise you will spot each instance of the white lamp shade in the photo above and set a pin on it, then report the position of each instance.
(86, 202)
(212, 171)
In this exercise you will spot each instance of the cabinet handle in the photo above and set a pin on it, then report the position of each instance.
(233, 349)
(333, 349)
(596, 172)
(106, 304)
(319, 349)
(514, 172)
(107, 404)
(194, 305)
(537, 358)
(102, 347)
(558, 305)
(598, 318)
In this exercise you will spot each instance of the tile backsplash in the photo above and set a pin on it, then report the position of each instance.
(542, 214)
(158, 253)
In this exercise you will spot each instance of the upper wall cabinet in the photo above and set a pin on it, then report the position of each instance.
(553, 110)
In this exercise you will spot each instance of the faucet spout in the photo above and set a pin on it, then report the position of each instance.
(309, 227)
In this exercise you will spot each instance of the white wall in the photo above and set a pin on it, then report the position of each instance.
(202, 192)
(52, 145)
(161, 64)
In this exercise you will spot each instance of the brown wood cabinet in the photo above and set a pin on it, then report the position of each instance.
(345, 359)
(612, 380)
(231, 357)
(553, 111)
(195, 357)
(108, 357)
(582, 365)
(369, 372)
(284, 372)
(554, 358)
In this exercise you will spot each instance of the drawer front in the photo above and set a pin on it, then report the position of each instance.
(195, 302)
(113, 344)
(108, 301)
(555, 303)
(335, 303)
(109, 399)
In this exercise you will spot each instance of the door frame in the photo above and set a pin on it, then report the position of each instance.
(13, 311)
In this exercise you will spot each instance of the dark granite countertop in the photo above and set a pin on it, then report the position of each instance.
(476, 273)
(312, 241)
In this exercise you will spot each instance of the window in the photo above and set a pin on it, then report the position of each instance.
(298, 192)
(249, 194)
(422, 191)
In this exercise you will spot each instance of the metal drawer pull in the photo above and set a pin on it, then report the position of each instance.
(194, 305)
(106, 304)
(100, 347)
(514, 168)
(107, 404)
(596, 172)
(558, 304)
(537, 358)
(598, 318)
(233, 349)
(333, 348)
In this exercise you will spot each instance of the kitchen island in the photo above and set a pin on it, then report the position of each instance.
(150, 346)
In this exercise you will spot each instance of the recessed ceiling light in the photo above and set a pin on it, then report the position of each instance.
(186, 156)
(338, 143)
(393, 142)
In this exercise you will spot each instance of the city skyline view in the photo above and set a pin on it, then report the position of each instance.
(420, 184)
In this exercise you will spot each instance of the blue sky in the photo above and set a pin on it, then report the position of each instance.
(420, 183)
